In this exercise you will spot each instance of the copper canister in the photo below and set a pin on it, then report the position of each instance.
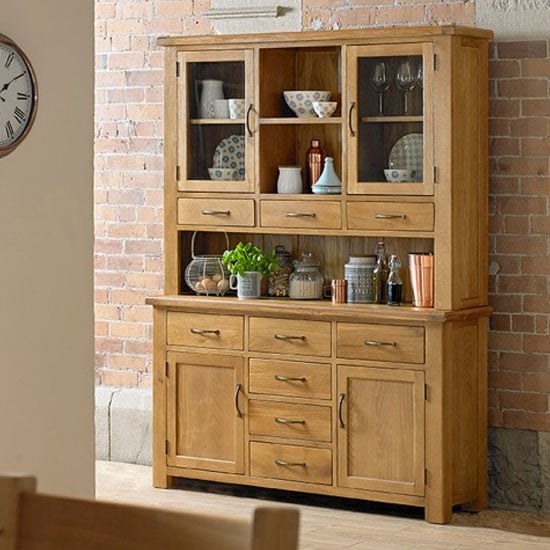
(338, 291)
(421, 273)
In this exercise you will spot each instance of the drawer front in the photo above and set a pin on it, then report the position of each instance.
(203, 330)
(301, 214)
(291, 463)
(289, 336)
(289, 378)
(392, 216)
(230, 212)
(291, 420)
(399, 344)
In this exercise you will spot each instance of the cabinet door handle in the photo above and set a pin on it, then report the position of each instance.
(216, 212)
(204, 331)
(390, 216)
(285, 463)
(289, 337)
(237, 390)
(350, 119)
(300, 214)
(340, 404)
(290, 378)
(280, 420)
(248, 129)
(377, 343)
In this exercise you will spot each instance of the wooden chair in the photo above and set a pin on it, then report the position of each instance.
(33, 521)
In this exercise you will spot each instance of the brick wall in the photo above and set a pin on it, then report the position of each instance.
(128, 189)
(519, 339)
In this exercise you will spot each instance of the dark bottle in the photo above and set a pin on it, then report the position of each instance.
(395, 284)
(315, 157)
(380, 274)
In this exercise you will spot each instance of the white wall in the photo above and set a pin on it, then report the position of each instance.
(46, 250)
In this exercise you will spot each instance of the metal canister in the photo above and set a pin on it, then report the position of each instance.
(358, 273)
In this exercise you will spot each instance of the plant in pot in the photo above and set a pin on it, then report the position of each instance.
(247, 264)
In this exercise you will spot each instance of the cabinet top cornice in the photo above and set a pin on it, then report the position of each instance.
(327, 37)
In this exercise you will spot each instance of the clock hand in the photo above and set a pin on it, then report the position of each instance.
(7, 85)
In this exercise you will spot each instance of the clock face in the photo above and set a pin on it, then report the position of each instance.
(17, 96)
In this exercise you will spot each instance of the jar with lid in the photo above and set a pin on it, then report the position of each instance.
(306, 281)
(279, 282)
(359, 274)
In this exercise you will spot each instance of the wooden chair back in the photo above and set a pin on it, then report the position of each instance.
(33, 521)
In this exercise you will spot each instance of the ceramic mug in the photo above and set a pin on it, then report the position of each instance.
(248, 285)
(236, 108)
(221, 108)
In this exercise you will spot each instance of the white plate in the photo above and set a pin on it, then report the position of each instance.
(230, 154)
(408, 153)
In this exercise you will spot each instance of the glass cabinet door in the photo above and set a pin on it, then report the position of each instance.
(390, 134)
(215, 137)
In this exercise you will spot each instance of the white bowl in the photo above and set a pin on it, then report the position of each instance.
(399, 175)
(224, 174)
(301, 101)
(324, 109)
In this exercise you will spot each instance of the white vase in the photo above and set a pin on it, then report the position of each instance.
(289, 180)
(248, 285)
(211, 90)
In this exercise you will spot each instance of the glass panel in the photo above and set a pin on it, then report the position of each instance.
(390, 103)
(216, 107)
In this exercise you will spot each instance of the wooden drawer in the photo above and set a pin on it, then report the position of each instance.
(291, 463)
(399, 344)
(291, 420)
(203, 330)
(392, 216)
(289, 378)
(303, 214)
(289, 336)
(229, 212)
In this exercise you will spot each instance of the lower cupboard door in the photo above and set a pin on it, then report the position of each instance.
(381, 429)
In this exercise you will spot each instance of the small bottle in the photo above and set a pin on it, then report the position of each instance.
(395, 284)
(380, 275)
(315, 157)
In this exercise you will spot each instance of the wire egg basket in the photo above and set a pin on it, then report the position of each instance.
(206, 274)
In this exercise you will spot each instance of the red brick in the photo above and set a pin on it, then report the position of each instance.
(535, 185)
(529, 127)
(517, 284)
(536, 402)
(138, 347)
(517, 244)
(522, 87)
(505, 380)
(535, 107)
(504, 341)
(518, 225)
(522, 362)
(537, 343)
(460, 13)
(526, 421)
(499, 127)
(124, 379)
(510, 304)
(109, 345)
(537, 382)
(523, 166)
(504, 146)
(503, 69)
(523, 323)
(535, 67)
(509, 265)
(522, 205)
(503, 185)
(542, 326)
(536, 147)
(522, 49)
(495, 418)
(540, 225)
(536, 304)
(500, 322)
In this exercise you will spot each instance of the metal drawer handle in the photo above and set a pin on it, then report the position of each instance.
(288, 337)
(340, 403)
(204, 331)
(285, 463)
(290, 378)
(300, 214)
(237, 390)
(280, 420)
(390, 216)
(216, 212)
(376, 343)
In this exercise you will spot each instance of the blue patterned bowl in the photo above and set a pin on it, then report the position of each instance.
(224, 174)
(395, 175)
(301, 102)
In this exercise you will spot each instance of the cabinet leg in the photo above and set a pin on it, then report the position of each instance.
(438, 513)
(476, 505)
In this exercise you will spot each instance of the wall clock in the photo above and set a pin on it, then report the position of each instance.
(18, 95)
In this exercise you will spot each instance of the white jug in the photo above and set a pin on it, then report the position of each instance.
(211, 90)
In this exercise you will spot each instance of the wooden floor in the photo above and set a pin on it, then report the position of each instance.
(336, 523)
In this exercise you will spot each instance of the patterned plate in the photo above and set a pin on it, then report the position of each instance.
(230, 154)
(407, 152)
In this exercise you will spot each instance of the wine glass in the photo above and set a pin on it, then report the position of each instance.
(420, 76)
(380, 82)
(406, 81)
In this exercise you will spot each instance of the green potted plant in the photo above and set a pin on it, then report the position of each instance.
(247, 264)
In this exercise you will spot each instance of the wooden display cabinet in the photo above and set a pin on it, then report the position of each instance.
(364, 401)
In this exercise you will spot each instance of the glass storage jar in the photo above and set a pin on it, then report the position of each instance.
(306, 281)
(279, 282)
